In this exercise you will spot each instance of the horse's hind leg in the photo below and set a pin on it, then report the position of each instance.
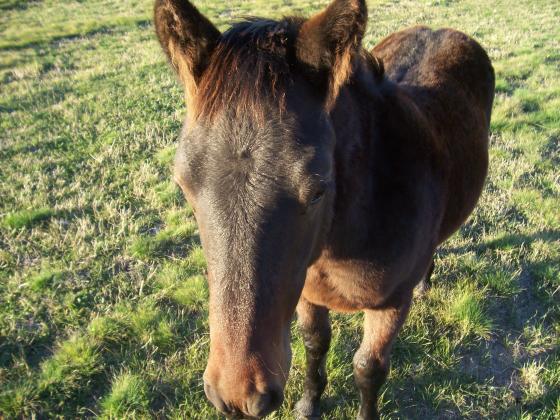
(425, 284)
(371, 361)
(315, 327)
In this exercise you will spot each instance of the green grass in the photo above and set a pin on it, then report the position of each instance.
(43, 280)
(27, 218)
(128, 398)
(103, 302)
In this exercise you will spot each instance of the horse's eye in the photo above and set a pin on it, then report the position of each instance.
(318, 195)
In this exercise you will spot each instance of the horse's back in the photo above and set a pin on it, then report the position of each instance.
(445, 60)
(450, 77)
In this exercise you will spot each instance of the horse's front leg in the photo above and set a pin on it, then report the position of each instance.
(315, 328)
(371, 361)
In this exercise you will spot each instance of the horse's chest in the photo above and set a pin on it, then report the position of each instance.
(347, 286)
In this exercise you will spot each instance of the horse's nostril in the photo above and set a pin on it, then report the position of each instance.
(262, 404)
(258, 405)
(215, 399)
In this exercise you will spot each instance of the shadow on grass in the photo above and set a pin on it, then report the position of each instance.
(507, 241)
(52, 40)
(38, 146)
(32, 354)
(28, 218)
(37, 100)
(164, 244)
(6, 5)
(121, 348)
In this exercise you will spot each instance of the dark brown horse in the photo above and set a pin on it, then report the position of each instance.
(322, 176)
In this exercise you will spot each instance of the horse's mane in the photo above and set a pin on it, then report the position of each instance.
(251, 67)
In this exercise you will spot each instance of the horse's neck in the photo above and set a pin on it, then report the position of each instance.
(354, 119)
(371, 111)
(379, 137)
(354, 126)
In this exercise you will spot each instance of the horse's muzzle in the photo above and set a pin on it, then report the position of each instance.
(255, 406)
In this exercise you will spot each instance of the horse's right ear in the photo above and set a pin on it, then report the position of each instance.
(187, 38)
(328, 41)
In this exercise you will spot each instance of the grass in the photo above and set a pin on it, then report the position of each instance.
(129, 397)
(103, 302)
(27, 218)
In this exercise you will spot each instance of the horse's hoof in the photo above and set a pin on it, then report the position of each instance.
(421, 289)
(372, 416)
(306, 409)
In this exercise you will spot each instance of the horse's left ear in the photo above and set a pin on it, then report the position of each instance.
(187, 38)
(327, 42)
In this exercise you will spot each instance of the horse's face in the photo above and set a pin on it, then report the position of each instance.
(255, 161)
(262, 197)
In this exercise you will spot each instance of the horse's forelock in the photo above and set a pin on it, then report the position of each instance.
(249, 70)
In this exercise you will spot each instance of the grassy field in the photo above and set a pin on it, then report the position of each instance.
(102, 292)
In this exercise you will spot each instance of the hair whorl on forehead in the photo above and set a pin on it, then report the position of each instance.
(248, 70)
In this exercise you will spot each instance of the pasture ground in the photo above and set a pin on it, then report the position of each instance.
(102, 295)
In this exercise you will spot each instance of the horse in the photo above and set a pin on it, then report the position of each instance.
(322, 177)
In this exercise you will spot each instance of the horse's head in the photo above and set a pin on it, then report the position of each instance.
(255, 161)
